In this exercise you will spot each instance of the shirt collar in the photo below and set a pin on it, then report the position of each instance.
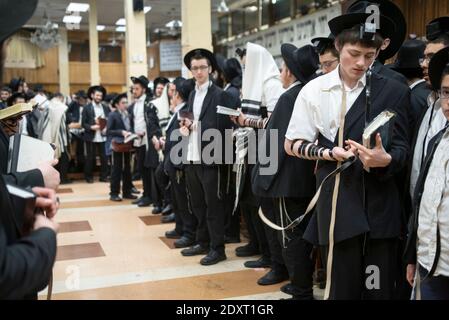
(142, 98)
(335, 80)
(179, 106)
(414, 84)
(203, 87)
(294, 84)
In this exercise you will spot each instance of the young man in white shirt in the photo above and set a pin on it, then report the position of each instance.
(357, 220)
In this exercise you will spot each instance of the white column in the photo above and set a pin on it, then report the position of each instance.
(93, 44)
(64, 79)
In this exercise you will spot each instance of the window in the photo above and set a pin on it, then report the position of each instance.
(281, 9)
(223, 24)
(238, 22)
(110, 54)
(79, 52)
(303, 6)
(251, 17)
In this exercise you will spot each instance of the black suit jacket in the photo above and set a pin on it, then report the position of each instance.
(73, 112)
(116, 126)
(294, 177)
(25, 262)
(382, 70)
(169, 165)
(88, 120)
(381, 216)
(210, 119)
(418, 103)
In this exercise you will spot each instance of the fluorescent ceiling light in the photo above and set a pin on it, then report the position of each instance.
(174, 24)
(146, 9)
(222, 7)
(120, 29)
(251, 9)
(72, 19)
(100, 27)
(121, 22)
(77, 7)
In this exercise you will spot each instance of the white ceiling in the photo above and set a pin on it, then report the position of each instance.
(109, 11)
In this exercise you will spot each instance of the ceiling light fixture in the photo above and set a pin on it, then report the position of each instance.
(77, 7)
(222, 7)
(146, 9)
(121, 22)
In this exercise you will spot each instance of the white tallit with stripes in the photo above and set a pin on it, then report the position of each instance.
(163, 107)
(261, 88)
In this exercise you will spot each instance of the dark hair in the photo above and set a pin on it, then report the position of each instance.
(8, 89)
(445, 72)
(352, 36)
(199, 56)
(329, 47)
(412, 73)
(442, 38)
(58, 95)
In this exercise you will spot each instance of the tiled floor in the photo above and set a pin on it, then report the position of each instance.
(110, 250)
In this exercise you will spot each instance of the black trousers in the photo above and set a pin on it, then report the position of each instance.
(186, 222)
(232, 224)
(63, 166)
(92, 148)
(80, 159)
(163, 184)
(363, 268)
(277, 261)
(202, 183)
(150, 190)
(121, 171)
(296, 251)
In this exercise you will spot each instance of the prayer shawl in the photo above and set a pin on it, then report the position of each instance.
(163, 107)
(52, 126)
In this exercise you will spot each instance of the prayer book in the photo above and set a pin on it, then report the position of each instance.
(382, 124)
(228, 111)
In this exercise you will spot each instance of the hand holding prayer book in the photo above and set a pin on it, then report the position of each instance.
(102, 122)
(131, 137)
(228, 111)
(382, 124)
(16, 111)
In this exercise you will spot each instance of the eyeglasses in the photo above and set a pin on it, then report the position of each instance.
(426, 59)
(327, 64)
(202, 68)
(444, 93)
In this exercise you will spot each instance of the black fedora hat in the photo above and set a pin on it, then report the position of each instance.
(81, 94)
(142, 80)
(184, 87)
(351, 20)
(159, 80)
(92, 89)
(409, 55)
(322, 43)
(13, 15)
(231, 69)
(204, 53)
(390, 10)
(437, 64)
(117, 98)
(302, 62)
(437, 27)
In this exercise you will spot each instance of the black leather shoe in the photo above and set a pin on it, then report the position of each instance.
(183, 242)
(213, 257)
(104, 179)
(168, 219)
(144, 202)
(246, 251)
(172, 234)
(288, 289)
(194, 250)
(137, 201)
(129, 196)
(156, 210)
(167, 210)
(232, 239)
(90, 180)
(134, 190)
(272, 277)
(115, 198)
(260, 263)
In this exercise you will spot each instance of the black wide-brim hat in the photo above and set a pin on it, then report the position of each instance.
(13, 15)
(321, 43)
(409, 55)
(203, 52)
(142, 80)
(302, 62)
(159, 80)
(96, 88)
(350, 20)
(436, 67)
(118, 97)
(437, 27)
(230, 68)
(185, 87)
(394, 13)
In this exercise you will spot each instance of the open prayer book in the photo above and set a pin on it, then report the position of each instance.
(228, 111)
(382, 124)
(27, 153)
(131, 137)
(16, 111)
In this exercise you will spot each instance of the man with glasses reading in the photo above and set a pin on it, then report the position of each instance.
(203, 176)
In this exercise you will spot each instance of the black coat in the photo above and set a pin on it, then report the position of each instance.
(381, 216)
(116, 126)
(294, 177)
(88, 120)
(418, 101)
(388, 73)
(210, 119)
(169, 166)
(25, 263)
(73, 112)
(153, 129)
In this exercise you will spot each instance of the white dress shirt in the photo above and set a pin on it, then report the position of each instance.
(193, 152)
(434, 208)
(317, 107)
(139, 120)
(99, 113)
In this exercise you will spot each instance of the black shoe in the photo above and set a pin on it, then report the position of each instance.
(137, 201)
(144, 202)
(168, 219)
(213, 257)
(272, 277)
(104, 179)
(167, 210)
(134, 190)
(90, 180)
(232, 239)
(288, 289)
(129, 196)
(156, 210)
(115, 198)
(172, 234)
(183, 242)
(246, 251)
(194, 250)
(260, 263)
